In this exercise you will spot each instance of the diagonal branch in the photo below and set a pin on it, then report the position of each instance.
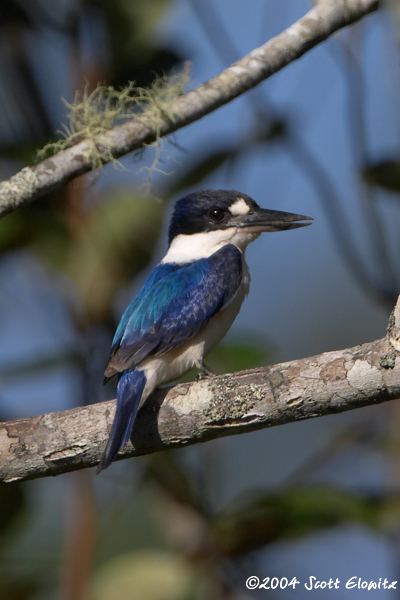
(325, 18)
(186, 414)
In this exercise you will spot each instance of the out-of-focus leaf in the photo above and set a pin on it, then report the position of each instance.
(40, 226)
(275, 130)
(390, 513)
(18, 590)
(296, 512)
(207, 165)
(178, 507)
(131, 23)
(117, 243)
(24, 152)
(149, 575)
(155, 63)
(228, 358)
(248, 354)
(12, 13)
(385, 174)
(136, 52)
(40, 364)
(165, 470)
(12, 502)
(11, 231)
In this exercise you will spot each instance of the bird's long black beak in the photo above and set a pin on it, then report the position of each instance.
(262, 219)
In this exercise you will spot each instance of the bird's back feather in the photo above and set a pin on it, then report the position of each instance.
(175, 302)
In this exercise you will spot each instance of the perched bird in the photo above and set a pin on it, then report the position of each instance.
(190, 300)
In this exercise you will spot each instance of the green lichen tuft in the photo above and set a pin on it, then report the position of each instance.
(93, 114)
(388, 361)
(229, 406)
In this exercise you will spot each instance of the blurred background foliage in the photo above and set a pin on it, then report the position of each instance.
(196, 523)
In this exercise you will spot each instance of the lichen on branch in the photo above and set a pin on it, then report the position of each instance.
(93, 114)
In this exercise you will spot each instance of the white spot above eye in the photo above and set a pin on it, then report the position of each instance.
(240, 207)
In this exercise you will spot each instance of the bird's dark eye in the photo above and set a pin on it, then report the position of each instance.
(217, 214)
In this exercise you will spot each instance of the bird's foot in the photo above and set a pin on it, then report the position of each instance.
(205, 371)
(201, 376)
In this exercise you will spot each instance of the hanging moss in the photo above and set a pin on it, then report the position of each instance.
(93, 114)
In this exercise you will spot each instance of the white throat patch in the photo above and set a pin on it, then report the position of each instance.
(186, 248)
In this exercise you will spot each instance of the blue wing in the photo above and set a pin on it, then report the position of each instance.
(175, 302)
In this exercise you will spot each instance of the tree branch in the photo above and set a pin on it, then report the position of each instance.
(325, 18)
(189, 413)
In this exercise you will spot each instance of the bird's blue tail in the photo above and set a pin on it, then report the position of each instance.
(129, 393)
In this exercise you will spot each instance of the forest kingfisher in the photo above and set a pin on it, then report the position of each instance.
(190, 300)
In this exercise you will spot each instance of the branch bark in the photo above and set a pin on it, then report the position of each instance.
(325, 18)
(329, 383)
